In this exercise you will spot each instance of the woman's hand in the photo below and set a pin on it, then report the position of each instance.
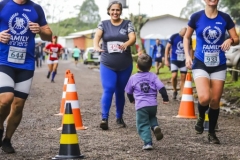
(98, 49)
(226, 45)
(166, 62)
(188, 62)
(123, 46)
(5, 36)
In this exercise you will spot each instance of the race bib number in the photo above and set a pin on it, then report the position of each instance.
(16, 55)
(180, 56)
(211, 59)
(54, 55)
(114, 46)
(158, 55)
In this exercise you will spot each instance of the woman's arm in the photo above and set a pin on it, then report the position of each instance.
(96, 40)
(187, 47)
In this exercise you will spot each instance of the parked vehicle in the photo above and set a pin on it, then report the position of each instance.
(233, 57)
(91, 56)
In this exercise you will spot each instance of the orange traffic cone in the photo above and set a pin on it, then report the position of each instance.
(69, 147)
(186, 109)
(72, 97)
(63, 94)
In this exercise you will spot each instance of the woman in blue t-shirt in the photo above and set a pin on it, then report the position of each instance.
(116, 61)
(209, 66)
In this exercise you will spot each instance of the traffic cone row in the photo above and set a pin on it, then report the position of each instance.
(71, 120)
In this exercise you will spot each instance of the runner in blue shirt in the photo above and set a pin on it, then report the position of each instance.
(20, 21)
(209, 66)
(158, 55)
(177, 58)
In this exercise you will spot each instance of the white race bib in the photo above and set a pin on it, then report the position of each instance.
(113, 46)
(158, 55)
(16, 55)
(180, 56)
(54, 55)
(211, 59)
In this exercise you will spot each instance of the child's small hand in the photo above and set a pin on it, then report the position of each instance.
(133, 102)
(165, 102)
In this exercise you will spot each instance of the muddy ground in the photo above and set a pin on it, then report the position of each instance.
(37, 137)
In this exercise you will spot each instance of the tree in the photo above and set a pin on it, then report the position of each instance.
(233, 8)
(88, 16)
(138, 22)
(191, 7)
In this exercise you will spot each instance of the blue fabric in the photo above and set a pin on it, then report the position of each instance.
(53, 75)
(113, 82)
(210, 34)
(21, 44)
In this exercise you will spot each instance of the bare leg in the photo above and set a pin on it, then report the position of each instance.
(5, 105)
(14, 117)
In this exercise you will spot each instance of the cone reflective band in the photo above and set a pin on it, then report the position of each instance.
(69, 147)
(64, 93)
(186, 109)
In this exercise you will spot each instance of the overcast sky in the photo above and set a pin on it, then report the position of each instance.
(149, 7)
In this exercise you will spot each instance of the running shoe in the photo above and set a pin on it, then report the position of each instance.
(104, 124)
(120, 122)
(7, 146)
(147, 147)
(157, 132)
(52, 81)
(48, 75)
(199, 126)
(212, 138)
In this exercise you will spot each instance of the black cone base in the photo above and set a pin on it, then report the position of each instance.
(68, 157)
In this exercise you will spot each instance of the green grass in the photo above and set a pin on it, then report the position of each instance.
(231, 84)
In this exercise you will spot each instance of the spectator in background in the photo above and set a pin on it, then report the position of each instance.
(38, 54)
(66, 53)
(76, 55)
(158, 55)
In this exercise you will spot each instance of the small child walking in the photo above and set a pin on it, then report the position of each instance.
(142, 89)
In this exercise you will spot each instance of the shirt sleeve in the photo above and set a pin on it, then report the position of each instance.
(158, 83)
(41, 15)
(100, 26)
(48, 46)
(130, 27)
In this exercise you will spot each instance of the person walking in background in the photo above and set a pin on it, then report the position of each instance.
(209, 65)
(38, 54)
(17, 61)
(66, 53)
(158, 55)
(141, 90)
(76, 55)
(177, 57)
(116, 60)
(54, 51)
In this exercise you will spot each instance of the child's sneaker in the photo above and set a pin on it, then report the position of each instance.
(147, 147)
(157, 132)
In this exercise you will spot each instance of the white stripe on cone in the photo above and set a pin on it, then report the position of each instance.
(71, 88)
(74, 104)
(187, 97)
(188, 84)
(65, 80)
(64, 95)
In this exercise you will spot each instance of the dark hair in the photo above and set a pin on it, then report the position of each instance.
(144, 62)
(111, 3)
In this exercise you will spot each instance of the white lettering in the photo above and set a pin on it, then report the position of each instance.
(19, 38)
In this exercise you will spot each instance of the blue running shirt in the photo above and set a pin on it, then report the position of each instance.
(19, 51)
(177, 53)
(210, 35)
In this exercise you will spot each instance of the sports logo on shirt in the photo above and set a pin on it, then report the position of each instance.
(212, 35)
(18, 24)
(180, 46)
(145, 87)
(123, 31)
